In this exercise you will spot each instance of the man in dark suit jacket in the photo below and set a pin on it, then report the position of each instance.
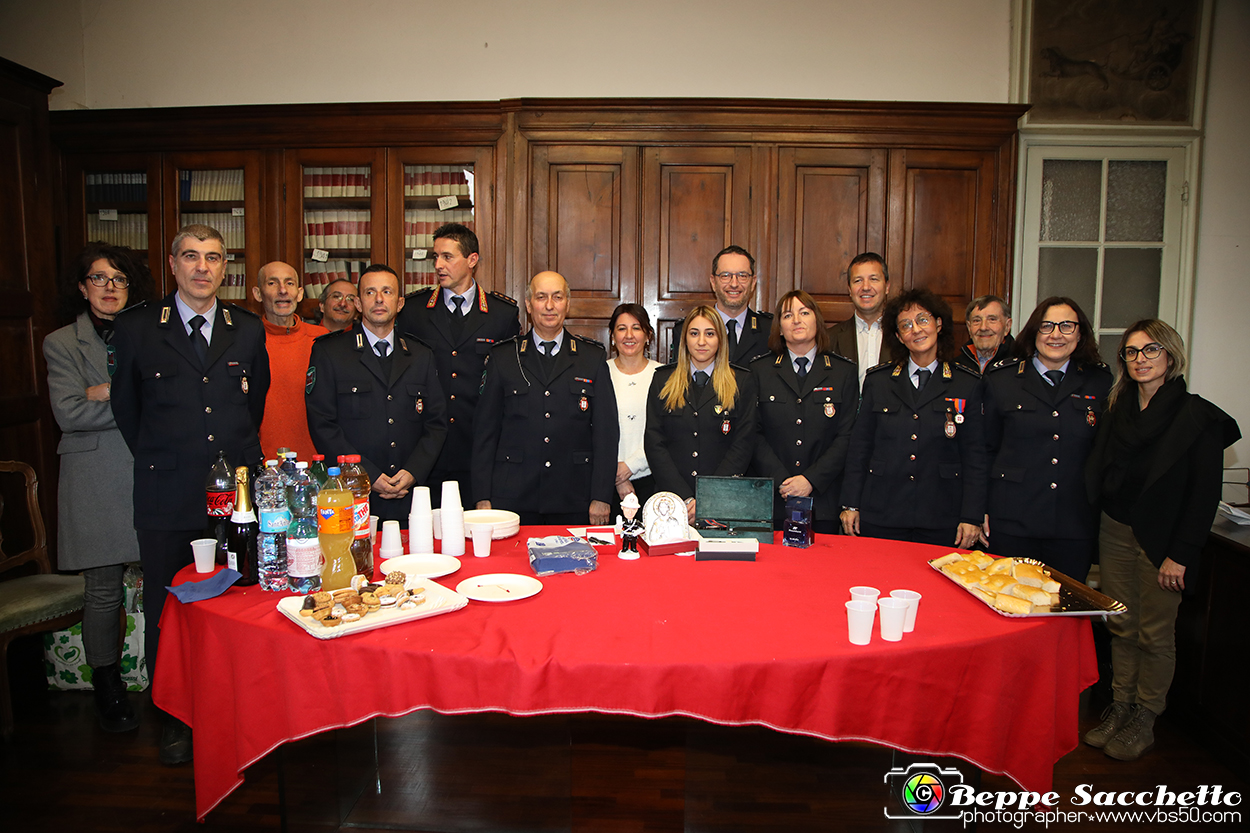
(859, 338)
(547, 428)
(190, 380)
(372, 392)
(733, 282)
(460, 321)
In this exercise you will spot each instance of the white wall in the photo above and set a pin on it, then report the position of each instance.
(1221, 334)
(163, 53)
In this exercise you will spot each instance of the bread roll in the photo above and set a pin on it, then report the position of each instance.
(949, 558)
(1035, 595)
(1001, 565)
(1012, 604)
(979, 558)
(998, 583)
(982, 593)
(1029, 574)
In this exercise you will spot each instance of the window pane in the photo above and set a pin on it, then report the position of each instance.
(1130, 285)
(1135, 195)
(1071, 196)
(1108, 343)
(1069, 272)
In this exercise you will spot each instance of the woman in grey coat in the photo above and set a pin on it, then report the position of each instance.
(95, 531)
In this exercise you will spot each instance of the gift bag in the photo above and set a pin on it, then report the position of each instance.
(65, 659)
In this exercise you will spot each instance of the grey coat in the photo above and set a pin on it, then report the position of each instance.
(96, 516)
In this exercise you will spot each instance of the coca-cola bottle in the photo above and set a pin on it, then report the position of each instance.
(219, 501)
(241, 552)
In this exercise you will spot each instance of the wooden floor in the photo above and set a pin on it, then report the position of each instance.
(497, 773)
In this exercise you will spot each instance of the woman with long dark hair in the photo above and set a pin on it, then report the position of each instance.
(629, 337)
(916, 466)
(807, 401)
(701, 411)
(95, 528)
(1041, 415)
(1155, 472)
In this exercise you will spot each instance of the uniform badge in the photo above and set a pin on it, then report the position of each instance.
(717, 408)
(165, 315)
(111, 352)
(724, 427)
(420, 406)
(1090, 417)
(243, 383)
(310, 379)
(959, 419)
(829, 409)
(950, 425)
(583, 403)
(225, 313)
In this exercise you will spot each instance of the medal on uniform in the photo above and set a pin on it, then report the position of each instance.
(950, 425)
(243, 383)
(1091, 418)
(420, 406)
(829, 409)
(583, 403)
(958, 406)
(724, 427)
(959, 419)
(717, 408)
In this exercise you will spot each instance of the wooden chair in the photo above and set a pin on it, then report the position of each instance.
(44, 601)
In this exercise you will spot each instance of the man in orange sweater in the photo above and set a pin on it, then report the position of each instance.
(289, 342)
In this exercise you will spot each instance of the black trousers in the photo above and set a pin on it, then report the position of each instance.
(917, 535)
(163, 553)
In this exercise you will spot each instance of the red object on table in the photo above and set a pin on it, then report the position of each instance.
(730, 642)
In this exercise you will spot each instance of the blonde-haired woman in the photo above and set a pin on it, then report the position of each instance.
(1155, 472)
(701, 411)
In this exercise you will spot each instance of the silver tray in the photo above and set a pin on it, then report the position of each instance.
(1075, 598)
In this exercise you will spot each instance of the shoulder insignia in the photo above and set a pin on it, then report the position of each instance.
(946, 370)
(360, 341)
(572, 346)
(331, 334)
(403, 345)
(778, 362)
(433, 297)
(831, 357)
(898, 368)
(524, 343)
(310, 379)
(504, 298)
(166, 311)
(1023, 364)
(588, 340)
(1005, 365)
(946, 374)
(225, 314)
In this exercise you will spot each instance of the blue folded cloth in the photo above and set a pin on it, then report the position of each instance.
(214, 585)
(561, 554)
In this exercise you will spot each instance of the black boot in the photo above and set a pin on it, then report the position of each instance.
(175, 742)
(111, 703)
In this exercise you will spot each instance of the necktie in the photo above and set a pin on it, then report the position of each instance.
(700, 377)
(922, 378)
(549, 348)
(458, 300)
(801, 361)
(382, 349)
(1055, 377)
(198, 341)
(732, 326)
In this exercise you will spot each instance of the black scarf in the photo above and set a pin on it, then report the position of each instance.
(103, 326)
(1131, 448)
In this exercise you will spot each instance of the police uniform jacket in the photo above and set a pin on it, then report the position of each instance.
(701, 437)
(546, 438)
(1038, 438)
(394, 420)
(805, 426)
(460, 351)
(176, 413)
(913, 462)
(752, 341)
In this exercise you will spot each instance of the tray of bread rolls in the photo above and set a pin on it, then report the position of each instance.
(1021, 587)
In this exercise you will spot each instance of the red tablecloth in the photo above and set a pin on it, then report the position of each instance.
(729, 642)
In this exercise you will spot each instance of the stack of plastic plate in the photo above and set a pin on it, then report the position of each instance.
(504, 524)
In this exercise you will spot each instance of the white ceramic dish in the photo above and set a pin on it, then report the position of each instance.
(428, 565)
(505, 524)
(438, 600)
(499, 587)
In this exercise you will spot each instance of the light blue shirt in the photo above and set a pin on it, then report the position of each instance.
(741, 318)
(373, 340)
(810, 355)
(470, 295)
(912, 367)
(1041, 369)
(186, 314)
(559, 340)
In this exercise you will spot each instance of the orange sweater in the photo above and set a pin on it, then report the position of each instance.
(286, 421)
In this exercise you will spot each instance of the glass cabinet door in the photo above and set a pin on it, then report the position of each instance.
(433, 195)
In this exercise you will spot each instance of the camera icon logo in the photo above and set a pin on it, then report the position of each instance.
(922, 790)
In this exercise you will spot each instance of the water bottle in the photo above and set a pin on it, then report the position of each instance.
(275, 517)
(287, 465)
(303, 552)
(317, 470)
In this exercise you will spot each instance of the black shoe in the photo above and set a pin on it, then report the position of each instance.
(175, 742)
(112, 705)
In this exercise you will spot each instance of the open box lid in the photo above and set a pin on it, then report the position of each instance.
(734, 507)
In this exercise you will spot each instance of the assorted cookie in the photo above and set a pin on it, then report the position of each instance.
(351, 604)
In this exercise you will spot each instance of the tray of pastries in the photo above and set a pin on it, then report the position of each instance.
(367, 606)
(1022, 587)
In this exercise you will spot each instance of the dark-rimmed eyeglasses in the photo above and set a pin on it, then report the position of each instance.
(101, 280)
(726, 277)
(1152, 351)
(1065, 327)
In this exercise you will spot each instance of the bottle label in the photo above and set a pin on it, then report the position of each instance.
(232, 560)
(220, 504)
(274, 522)
(360, 517)
(334, 520)
(303, 557)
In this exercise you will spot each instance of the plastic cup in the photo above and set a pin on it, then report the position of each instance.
(205, 552)
(913, 603)
(481, 538)
(893, 614)
(865, 594)
(421, 522)
(373, 530)
(859, 616)
(451, 493)
(436, 522)
(392, 543)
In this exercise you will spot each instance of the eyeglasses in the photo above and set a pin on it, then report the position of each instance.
(102, 280)
(921, 320)
(726, 277)
(1153, 350)
(1065, 327)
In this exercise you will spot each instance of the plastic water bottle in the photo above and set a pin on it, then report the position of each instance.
(275, 518)
(317, 470)
(287, 466)
(303, 551)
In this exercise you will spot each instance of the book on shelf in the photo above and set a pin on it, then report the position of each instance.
(337, 182)
(127, 230)
(204, 186)
(318, 275)
(437, 180)
(418, 274)
(421, 223)
(232, 228)
(114, 186)
(338, 229)
(234, 285)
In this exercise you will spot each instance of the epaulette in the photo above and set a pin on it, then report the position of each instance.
(133, 308)
(965, 369)
(332, 334)
(760, 356)
(776, 359)
(588, 340)
(829, 354)
(747, 369)
(420, 293)
(503, 297)
(763, 314)
(239, 308)
(881, 366)
(516, 339)
(1005, 363)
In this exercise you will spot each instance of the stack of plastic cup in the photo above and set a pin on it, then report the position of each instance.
(451, 514)
(421, 522)
(392, 545)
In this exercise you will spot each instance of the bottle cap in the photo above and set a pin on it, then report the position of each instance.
(318, 457)
(291, 455)
(342, 459)
(301, 465)
(333, 471)
(351, 458)
(270, 463)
